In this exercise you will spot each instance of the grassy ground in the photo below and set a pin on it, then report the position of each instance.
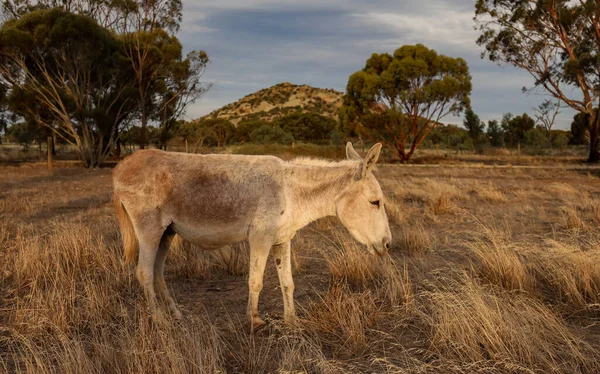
(491, 271)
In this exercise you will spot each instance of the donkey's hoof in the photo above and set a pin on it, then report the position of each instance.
(177, 314)
(256, 323)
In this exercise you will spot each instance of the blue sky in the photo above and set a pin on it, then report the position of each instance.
(256, 44)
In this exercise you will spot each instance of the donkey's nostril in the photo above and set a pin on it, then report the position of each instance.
(386, 245)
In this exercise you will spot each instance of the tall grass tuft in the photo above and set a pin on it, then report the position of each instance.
(471, 324)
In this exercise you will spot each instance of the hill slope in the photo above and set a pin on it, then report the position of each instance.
(279, 100)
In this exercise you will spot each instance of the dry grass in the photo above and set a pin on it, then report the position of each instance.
(595, 209)
(191, 261)
(70, 312)
(343, 320)
(500, 264)
(394, 211)
(475, 282)
(570, 219)
(515, 333)
(414, 239)
(442, 205)
(568, 275)
(350, 264)
(488, 192)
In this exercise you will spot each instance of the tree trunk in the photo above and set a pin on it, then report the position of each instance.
(144, 132)
(403, 156)
(593, 128)
(118, 149)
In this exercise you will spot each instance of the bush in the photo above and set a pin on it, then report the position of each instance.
(560, 140)
(245, 128)
(266, 134)
(308, 127)
(536, 138)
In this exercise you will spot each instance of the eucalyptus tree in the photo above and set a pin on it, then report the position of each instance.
(399, 98)
(557, 42)
(65, 74)
(474, 126)
(165, 82)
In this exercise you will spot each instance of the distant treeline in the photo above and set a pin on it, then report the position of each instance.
(509, 132)
(312, 128)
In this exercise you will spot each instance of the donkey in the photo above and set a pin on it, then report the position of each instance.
(218, 200)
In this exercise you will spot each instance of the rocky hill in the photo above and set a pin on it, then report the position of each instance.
(279, 100)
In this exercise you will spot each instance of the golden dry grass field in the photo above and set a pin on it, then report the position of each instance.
(491, 271)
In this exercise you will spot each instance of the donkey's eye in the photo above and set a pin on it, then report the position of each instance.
(376, 203)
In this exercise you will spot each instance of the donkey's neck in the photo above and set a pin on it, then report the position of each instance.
(314, 190)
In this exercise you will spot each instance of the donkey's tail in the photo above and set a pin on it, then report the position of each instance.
(130, 242)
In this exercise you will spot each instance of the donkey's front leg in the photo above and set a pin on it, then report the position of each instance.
(282, 254)
(259, 252)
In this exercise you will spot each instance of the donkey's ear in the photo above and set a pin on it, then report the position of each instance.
(351, 153)
(370, 159)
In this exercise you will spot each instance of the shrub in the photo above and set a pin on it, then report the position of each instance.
(266, 134)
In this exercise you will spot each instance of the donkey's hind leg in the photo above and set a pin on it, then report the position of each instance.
(149, 241)
(159, 268)
(259, 252)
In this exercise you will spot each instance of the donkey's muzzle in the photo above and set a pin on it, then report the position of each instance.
(383, 248)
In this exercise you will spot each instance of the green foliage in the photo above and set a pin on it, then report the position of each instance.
(307, 127)
(560, 138)
(514, 128)
(436, 136)
(579, 129)
(65, 73)
(271, 134)
(535, 137)
(163, 134)
(450, 136)
(245, 128)
(165, 82)
(118, 16)
(474, 126)
(222, 130)
(131, 136)
(196, 133)
(177, 86)
(495, 134)
(82, 80)
(336, 137)
(545, 115)
(397, 98)
(5, 115)
(19, 133)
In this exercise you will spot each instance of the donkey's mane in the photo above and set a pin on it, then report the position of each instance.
(309, 161)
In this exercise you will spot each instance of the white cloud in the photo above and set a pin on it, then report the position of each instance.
(454, 28)
(192, 22)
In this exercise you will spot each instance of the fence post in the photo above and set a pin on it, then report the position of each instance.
(518, 151)
(50, 141)
(186, 146)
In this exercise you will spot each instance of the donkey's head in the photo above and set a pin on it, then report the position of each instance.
(360, 208)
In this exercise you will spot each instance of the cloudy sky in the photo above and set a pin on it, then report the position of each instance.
(255, 44)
